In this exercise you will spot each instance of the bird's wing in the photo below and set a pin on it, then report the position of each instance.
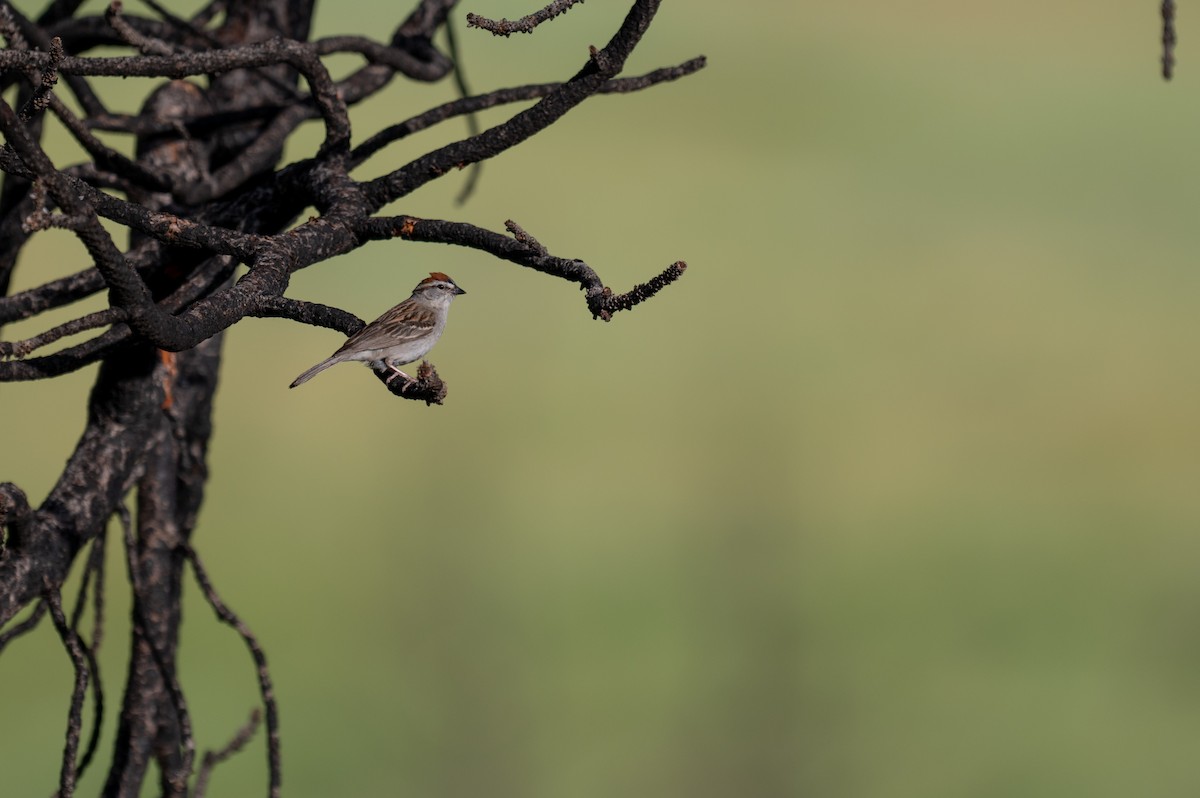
(397, 326)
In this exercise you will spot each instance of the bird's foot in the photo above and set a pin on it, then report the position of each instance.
(397, 373)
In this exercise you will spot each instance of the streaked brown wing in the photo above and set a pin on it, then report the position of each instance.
(399, 325)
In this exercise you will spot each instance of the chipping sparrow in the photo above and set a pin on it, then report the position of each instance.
(402, 335)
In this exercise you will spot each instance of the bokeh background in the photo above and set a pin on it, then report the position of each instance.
(894, 494)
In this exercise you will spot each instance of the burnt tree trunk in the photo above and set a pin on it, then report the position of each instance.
(179, 389)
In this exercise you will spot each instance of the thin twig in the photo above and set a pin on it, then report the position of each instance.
(25, 626)
(1168, 38)
(103, 155)
(525, 238)
(148, 45)
(609, 303)
(213, 272)
(195, 29)
(526, 24)
(101, 318)
(95, 568)
(460, 83)
(66, 779)
(48, 80)
(205, 15)
(213, 758)
(500, 97)
(41, 39)
(230, 618)
(98, 552)
(10, 30)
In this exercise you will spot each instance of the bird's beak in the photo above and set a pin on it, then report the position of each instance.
(458, 291)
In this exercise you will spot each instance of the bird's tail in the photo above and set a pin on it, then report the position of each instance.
(314, 371)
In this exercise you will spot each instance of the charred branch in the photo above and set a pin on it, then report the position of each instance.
(67, 773)
(24, 627)
(213, 758)
(265, 685)
(200, 321)
(93, 577)
(471, 105)
(603, 65)
(426, 387)
(1168, 39)
(525, 250)
(526, 24)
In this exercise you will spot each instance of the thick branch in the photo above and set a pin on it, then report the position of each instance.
(121, 414)
(524, 250)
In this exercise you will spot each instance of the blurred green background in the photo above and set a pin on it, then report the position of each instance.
(893, 494)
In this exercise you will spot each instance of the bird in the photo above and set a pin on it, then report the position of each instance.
(400, 336)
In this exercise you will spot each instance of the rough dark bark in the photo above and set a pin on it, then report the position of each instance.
(204, 193)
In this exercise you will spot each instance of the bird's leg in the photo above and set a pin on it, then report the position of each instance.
(398, 373)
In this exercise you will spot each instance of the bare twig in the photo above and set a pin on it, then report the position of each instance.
(302, 56)
(106, 157)
(10, 30)
(95, 568)
(48, 80)
(601, 67)
(525, 24)
(43, 41)
(460, 83)
(146, 44)
(1168, 38)
(101, 318)
(525, 250)
(67, 774)
(227, 616)
(213, 272)
(213, 758)
(525, 238)
(469, 105)
(27, 625)
(65, 290)
(609, 303)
